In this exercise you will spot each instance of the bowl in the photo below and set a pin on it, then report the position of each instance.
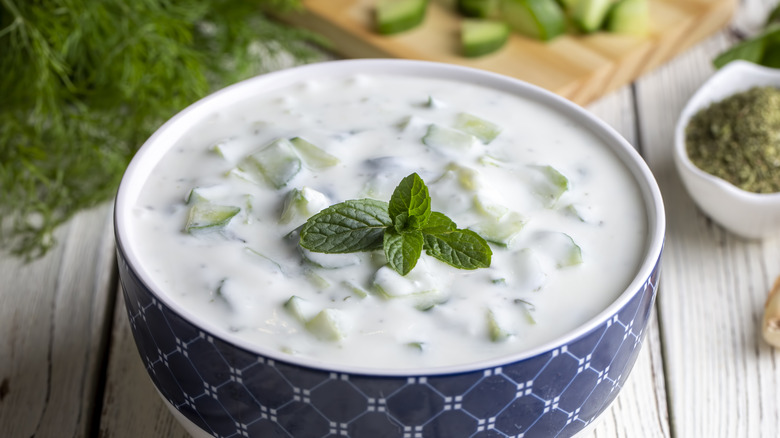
(747, 214)
(217, 384)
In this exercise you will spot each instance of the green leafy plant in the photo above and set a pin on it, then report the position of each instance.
(85, 82)
(403, 228)
(762, 49)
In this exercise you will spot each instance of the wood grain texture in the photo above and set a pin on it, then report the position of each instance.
(722, 379)
(52, 316)
(131, 406)
(580, 68)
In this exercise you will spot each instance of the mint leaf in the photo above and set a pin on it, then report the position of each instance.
(351, 226)
(438, 223)
(404, 227)
(410, 204)
(403, 249)
(462, 249)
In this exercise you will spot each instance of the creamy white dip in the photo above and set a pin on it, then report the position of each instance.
(565, 253)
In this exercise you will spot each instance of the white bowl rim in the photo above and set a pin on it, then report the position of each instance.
(147, 156)
(724, 82)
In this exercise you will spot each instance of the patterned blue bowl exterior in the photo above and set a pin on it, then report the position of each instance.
(230, 392)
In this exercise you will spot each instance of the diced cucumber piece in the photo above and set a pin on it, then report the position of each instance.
(419, 286)
(489, 160)
(453, 190)
(330, 261)
(329, 325)
(207, 194)
(479, 37)
(488, 207)
(314, 156)
(317, 280)
(355, 288)
(550, 184)
(442, 137)
(434, 103)
(205, 216)
(589, 15)
(269, 263)
(300, 204)
(629, 17)
(528, 308)
(568, 5)
(277, 163)
(558, 247)
(480, 128)
(528, 272)
(496, 329)
(299, 308)
(393, 16)
(539, 19)
(478, 8)
(501, 232)
(419, 346)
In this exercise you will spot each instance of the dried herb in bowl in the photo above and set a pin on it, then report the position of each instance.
(738, 139)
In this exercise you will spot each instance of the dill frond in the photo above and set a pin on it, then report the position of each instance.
(85, 82)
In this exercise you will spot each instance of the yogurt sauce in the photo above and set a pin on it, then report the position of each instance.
(567, 214)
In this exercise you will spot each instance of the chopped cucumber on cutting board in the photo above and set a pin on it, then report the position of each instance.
(480, 37)
(393, 16)
(539, 19)
(478, 8)
(629, 17)
(589, 15)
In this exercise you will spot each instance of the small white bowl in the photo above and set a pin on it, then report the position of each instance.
(747, 214)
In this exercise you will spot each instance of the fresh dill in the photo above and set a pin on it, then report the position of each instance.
(85, 82)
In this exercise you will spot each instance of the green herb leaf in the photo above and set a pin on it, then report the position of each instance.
(438, 223)
(463, 249)
(410, 204)
(403, 249)
(403, 228)
(351, 226)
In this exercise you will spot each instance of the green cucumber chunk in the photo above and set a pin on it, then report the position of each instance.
(299, 308)
(500, 231)
(313, 156)
(482, 37)
(630, 17)
(539, 19)
(482, 129)
(394, 16)
(328, 325)
(589, 15)
(205, 216)
(496, 329)
(550, 184)
(300, 204)
(277, 163)
(478, 8)
(442, 137)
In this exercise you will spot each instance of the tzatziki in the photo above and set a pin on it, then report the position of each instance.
(216, 224)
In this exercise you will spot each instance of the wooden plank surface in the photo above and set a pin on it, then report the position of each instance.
(722, 378)
(578, 67)
(53, 315)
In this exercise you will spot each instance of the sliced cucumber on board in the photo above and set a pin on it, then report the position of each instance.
(481, 37)
(589, 15)
(478, 8)
(393, 16)
(540, 19)
(630, 17)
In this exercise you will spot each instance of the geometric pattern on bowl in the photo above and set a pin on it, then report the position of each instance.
(230, 392)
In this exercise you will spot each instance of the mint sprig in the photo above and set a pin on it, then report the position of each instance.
(403, 228)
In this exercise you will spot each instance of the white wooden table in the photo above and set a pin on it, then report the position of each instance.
(69, 368)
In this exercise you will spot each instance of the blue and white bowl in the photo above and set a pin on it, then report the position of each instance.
(218, 385)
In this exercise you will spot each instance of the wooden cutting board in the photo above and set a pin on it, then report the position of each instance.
(578, 67)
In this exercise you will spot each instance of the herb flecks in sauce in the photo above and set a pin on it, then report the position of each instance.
(404, 227)
(738, 140)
